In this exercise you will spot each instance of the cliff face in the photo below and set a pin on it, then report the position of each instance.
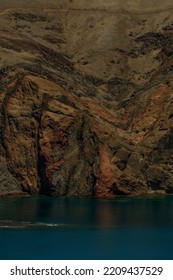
(86, 98)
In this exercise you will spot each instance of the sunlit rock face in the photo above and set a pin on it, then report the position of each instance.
(86, 98)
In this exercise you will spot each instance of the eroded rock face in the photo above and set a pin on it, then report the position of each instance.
(86, 101)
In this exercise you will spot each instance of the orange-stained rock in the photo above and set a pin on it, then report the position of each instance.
(86, 99)
(58, 144)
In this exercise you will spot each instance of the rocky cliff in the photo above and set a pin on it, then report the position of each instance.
(86, 98)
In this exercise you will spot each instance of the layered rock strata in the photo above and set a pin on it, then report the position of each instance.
(86, 101)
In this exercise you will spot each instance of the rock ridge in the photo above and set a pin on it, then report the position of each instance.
(86, 100)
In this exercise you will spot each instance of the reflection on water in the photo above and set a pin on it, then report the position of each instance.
(64, 228)
(121, 212)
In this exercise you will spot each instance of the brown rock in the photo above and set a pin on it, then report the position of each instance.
(86, 98)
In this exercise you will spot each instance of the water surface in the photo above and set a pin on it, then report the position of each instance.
(68, 228)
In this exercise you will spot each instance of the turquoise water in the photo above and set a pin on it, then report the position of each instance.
(123, 228)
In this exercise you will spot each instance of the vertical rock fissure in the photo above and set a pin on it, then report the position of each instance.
(41, 162)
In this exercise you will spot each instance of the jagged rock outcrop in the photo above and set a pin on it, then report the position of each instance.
(86, 100)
